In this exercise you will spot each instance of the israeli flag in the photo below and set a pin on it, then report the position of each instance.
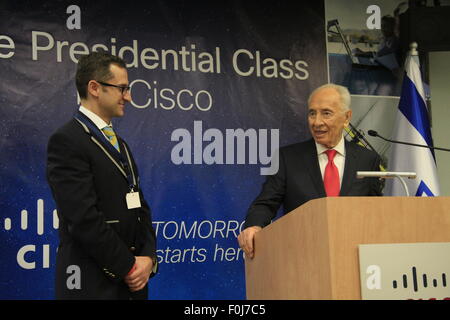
(412, 125)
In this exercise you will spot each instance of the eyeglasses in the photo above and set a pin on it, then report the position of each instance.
(123, 89)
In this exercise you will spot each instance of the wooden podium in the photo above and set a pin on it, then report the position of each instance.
(312, 252)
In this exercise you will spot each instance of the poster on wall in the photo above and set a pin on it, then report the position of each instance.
(217, 88)
(364, 49)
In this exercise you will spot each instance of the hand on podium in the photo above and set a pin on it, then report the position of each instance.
(246, 238)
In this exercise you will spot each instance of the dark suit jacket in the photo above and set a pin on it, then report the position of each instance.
(299, 180)
(98, 233)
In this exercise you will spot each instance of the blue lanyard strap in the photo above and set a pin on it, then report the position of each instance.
(126, 166)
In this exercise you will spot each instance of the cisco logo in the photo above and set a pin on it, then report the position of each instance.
(404, 271)
(423, 281)
(409, 284)
(28, 254)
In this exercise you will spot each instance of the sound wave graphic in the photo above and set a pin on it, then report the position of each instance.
(436, 281)
(7, 224)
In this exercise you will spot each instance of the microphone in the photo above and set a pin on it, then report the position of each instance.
(358, 137)
(373, 133)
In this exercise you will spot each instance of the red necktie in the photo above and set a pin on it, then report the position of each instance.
(331, 176)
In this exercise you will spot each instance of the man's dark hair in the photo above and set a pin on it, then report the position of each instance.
(95, 66)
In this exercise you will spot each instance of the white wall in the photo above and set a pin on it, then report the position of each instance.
(440, 111)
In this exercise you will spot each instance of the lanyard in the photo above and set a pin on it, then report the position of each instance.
(126, 166)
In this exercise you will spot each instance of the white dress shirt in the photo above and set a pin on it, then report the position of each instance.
(99, 123)
(339, 158)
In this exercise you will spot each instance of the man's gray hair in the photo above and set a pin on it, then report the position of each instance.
(343, 93)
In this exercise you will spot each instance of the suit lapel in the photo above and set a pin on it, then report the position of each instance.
(349, 168)
(312, 164)
(99, 136)
(113, 156)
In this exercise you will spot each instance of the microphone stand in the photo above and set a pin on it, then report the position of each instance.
(373, 133)
(388, 174)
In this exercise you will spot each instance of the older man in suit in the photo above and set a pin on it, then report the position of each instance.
(107, 246)
(323, 166)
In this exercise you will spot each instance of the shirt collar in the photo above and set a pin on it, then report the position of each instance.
(340, 147)
(99, 123)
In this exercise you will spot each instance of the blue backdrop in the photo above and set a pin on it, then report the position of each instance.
(217, 87)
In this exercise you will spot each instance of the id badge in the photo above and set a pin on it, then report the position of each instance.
(133, 200)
